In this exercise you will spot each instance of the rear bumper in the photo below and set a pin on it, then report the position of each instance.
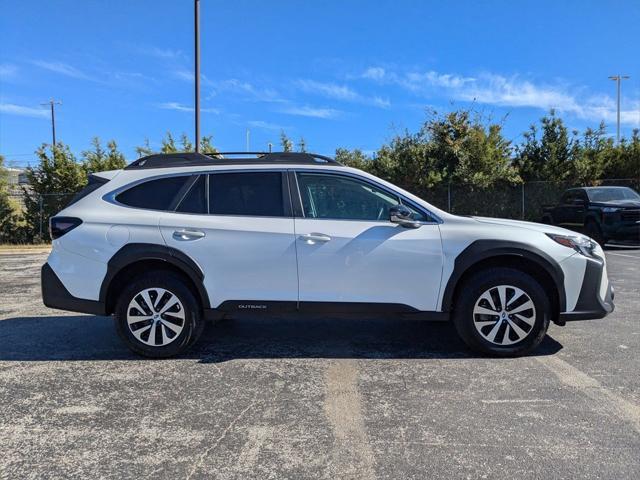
(55, 295)
(591, 303)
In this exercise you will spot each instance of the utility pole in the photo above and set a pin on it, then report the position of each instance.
(197, 70)
(248, 143)
(618, 79)
(52, 103)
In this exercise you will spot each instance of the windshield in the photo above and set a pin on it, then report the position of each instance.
(609, 194)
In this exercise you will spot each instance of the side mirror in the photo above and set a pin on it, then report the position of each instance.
(402, 216)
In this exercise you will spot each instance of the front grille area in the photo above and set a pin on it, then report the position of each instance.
(630, 215)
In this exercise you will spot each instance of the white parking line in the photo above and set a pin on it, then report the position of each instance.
(352, 452)
(603, 399)
(623, 255)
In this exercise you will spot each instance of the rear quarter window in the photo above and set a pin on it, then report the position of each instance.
(156, 194)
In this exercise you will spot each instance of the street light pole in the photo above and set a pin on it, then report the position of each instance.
(197, 71)
(618, 79)
(52, 103)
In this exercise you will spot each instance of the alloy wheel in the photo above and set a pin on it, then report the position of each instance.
(504, 315)
(155, 317)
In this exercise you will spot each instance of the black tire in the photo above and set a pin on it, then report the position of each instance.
(593, 230)
(488, 280)
(190, 326)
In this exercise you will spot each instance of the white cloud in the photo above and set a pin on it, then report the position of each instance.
(21, 110)
(267, 125)
(186, 75)
(184, 108)
(189, 76)
(331, 90)
(306, 111)
(339, 92)
(8, 70)
(62, 69)
(247, 90)
(514, 91)
(165, 53)
(374, 73)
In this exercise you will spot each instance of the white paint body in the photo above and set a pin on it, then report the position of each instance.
(264, 258)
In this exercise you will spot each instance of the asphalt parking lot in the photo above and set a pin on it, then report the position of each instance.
(315, 398)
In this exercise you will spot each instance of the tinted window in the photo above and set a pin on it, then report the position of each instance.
(343, 198)
(195, 201)
(608, 194)
(155, 194)
(568, 197)
(251, 193)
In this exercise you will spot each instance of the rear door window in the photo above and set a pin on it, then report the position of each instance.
(156, 194)
(259, 194)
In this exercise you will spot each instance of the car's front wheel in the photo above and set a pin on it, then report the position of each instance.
(502, 312)
(594, 231)
(157, 315)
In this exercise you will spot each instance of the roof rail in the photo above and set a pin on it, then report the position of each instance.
(187, 159)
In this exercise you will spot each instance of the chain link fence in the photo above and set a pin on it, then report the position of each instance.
(523, 202)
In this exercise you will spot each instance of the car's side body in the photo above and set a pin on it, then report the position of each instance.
(289, 262)
(580, 209)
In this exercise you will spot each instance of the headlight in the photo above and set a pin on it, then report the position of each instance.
(610, 209)
(582, 245)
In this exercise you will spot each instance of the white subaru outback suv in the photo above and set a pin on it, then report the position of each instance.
(174, 240)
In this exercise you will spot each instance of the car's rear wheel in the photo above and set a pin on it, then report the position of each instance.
(158, 316)
(502, 312)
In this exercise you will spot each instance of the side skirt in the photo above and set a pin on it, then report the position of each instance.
(233, 307)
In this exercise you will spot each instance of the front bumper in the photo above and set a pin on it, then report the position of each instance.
(622, 231)
(55, 295)
(595, 299)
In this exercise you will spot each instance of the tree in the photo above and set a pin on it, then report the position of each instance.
(353, 158)
(206, 144)
(548, 157)
(7, 212)
(144, 149)
(302, 145)
(590, 155)
(285, 142)
(453, 147)
(56, 179)
(168, 144)
(186, 144)
(623, 160)
(470, 150)
(100, 160)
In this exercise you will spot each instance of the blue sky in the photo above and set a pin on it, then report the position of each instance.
(341, 73)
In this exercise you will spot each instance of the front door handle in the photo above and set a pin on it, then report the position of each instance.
(184, 234)
(313, 238)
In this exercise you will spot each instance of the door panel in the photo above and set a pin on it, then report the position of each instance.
(243, 258)
(373, 262)
(349, 251)
(245, 244)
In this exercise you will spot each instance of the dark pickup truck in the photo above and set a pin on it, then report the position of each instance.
(603, 213)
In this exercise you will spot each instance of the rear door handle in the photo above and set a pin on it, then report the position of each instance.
(184, 234)
(313, 238)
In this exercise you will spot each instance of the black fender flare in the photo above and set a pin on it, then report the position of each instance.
(136, 252)
(484, 249)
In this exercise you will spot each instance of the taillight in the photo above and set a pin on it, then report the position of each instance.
(58, 226)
